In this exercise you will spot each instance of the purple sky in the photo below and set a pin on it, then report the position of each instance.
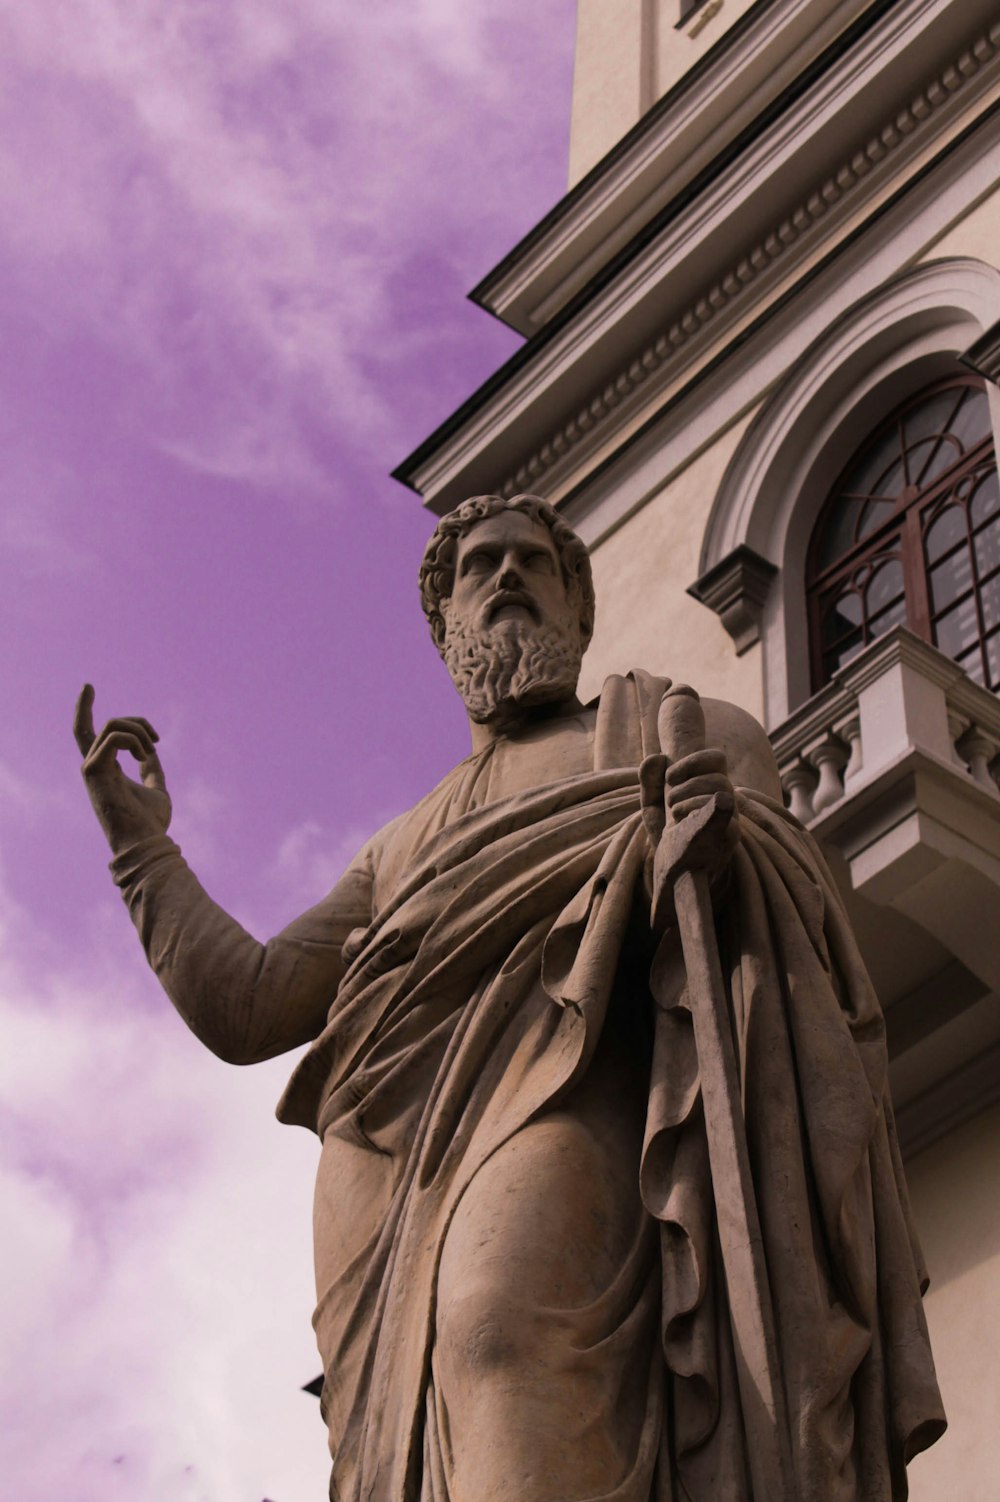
(237, 240)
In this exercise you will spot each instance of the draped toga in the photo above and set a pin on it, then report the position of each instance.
(482, 977)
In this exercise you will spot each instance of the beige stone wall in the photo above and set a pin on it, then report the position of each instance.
(956, 1203)
(641, 572)
(607, 79)
(678, 48)
(628, 53)
(976, 234)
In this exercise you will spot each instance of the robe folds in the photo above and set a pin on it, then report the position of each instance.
(475, 1001)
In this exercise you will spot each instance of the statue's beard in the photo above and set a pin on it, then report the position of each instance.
(512, 664)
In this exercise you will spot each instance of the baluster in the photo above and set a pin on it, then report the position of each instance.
(849, 731)
(958, 724)
(829, 757)
(798, 780)
(978, 750)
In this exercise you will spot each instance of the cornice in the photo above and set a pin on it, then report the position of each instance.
(682, 139)
(900, 129)
(660, 287)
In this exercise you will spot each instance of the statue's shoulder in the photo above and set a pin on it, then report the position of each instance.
(751, 758)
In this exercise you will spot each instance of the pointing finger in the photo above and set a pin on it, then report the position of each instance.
(83, 719)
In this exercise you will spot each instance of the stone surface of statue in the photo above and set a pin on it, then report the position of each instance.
(521, 1247)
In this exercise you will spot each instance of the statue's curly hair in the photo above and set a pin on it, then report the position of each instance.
(437, 571)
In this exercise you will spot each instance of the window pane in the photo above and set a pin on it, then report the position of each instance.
(839, 532)
(928, 418)
(958, 629)
(886, 619)
(989, 594)
(890, 481)
(986, 499)
(945, 531)
(972, 662)
(875, 467)
(873, 515)
(843, 615)
(993, 659)
(932, 457)
(843, 654)
(972, 423)
(987, 545)
(885, 583)
(950, 578)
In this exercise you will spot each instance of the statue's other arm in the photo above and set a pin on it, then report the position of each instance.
(245, 1000)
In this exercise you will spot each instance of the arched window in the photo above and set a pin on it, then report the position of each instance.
(911, 534)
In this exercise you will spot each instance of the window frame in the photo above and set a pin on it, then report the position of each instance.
(905, 528)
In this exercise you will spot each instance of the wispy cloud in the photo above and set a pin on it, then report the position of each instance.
(228, 190)
(156, 1287)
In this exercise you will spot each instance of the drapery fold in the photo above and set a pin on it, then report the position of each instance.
(475, 1002)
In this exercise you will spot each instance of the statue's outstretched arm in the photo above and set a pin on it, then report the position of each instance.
(245, 1000)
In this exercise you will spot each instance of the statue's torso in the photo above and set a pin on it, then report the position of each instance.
(552, 751)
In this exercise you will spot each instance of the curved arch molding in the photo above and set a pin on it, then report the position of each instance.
(908, 332)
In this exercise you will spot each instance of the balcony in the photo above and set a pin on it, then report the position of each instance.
(892, 767)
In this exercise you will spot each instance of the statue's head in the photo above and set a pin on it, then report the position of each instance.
(507, 589)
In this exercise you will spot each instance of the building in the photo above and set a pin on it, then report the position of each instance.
(762, 334)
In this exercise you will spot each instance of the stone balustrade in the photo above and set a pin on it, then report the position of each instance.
(899, 696)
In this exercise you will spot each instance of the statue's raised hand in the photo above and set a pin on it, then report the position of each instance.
(128, 811)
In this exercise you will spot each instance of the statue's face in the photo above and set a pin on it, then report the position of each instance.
(512, 630)
(507, 569)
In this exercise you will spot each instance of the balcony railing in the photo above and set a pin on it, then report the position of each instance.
(900, 695)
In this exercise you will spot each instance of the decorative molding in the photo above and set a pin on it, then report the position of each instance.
(984, 356)
(684, 134)
(934, 304)
(736, 588)
(903, 126)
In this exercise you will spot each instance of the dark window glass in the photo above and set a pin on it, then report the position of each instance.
(987, 546)
(943, 533)
(950, 578)
(986, 499)
(993, 659)
(885, 584)
(958, 628)
(911, 534)
(989, 596)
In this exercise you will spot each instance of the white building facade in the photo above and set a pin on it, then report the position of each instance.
(763, 340)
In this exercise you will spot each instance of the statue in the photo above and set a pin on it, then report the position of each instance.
(526, 1261)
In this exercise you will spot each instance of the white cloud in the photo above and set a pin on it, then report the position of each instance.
(227, 194)
(309, 862)
(157, 1290)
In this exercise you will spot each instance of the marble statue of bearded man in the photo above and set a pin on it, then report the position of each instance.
(521, 1296)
